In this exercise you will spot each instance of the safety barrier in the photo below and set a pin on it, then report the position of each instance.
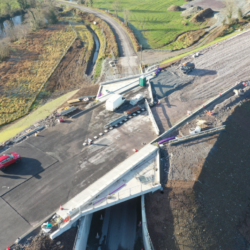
(157, 130)
(195, 112)
(147, 242)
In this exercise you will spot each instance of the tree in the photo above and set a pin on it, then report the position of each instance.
(229, 9)
(51, 16)
(90, 2)
(7, 9)
(4, 49)
(23, 4)
(126, 14)
(116, 6)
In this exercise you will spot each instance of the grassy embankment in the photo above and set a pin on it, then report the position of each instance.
(103, 31)
(34, 117)
(157, 25)
(219, 39)
(23, 77)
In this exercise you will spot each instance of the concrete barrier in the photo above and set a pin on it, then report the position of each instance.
(82, 199)
(83, 233)
(195, 112)
(150, 92)
(127, 78)
(148, 245)
(157, 130)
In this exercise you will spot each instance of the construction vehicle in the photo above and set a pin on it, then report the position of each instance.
(187, 67)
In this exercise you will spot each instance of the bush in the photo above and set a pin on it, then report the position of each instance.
(4, 50)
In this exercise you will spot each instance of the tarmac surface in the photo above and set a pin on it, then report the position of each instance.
(52, 170)
(118, 229)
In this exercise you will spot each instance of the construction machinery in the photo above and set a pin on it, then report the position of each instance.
(187, 67)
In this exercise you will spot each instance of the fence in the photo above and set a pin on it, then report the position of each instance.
(148, 245)
(157, 131)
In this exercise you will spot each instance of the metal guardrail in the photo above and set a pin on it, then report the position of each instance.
(116, 121)
(206, 132)
(68, 111)
(28, 134)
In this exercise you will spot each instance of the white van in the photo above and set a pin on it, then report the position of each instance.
(114, 102)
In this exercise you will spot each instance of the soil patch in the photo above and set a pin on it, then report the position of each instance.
(202, 15)
(205, 204)
(63, 242)
(69, 74)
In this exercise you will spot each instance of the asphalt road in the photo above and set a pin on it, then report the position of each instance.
(124, 43)
(119, 229)
(55, 166)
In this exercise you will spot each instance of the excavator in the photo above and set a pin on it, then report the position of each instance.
(187, 67)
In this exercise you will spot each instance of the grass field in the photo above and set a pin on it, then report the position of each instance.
(152, 23)
(31, 61)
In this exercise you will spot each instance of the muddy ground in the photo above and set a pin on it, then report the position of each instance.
(41, 242)
(205, 204)
(70, 73)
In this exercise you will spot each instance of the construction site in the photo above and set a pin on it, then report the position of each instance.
(147, 158)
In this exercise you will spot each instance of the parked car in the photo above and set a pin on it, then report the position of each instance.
(8, 159)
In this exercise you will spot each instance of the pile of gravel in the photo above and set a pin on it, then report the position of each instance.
(191, 11)
(174, 8)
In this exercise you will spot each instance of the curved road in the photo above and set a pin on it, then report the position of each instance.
(124, 43)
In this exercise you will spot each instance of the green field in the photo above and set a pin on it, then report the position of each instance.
(152, 23)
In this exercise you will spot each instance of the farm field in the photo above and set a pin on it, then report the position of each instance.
(23, 75)
(152, 23)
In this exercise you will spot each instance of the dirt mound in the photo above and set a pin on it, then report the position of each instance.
(202, 15)
(174, 8)
(191, 37)
(191, 11)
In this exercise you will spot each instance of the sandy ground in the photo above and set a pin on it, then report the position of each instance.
(205, 204)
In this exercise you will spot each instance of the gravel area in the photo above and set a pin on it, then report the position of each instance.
(205, 204)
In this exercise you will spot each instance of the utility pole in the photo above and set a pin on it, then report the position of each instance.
(141, 53)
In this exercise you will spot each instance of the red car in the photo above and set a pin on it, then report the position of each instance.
(6, 160)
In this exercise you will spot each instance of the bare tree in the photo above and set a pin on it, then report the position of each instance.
(126, 14)
(229, 9)
(116, 6)
(4, 49)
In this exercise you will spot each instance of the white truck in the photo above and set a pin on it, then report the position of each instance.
(114, 102)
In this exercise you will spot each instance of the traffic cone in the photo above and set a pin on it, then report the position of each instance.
(101, 218)
(203, 106)
(61, 208)
(97, 236)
